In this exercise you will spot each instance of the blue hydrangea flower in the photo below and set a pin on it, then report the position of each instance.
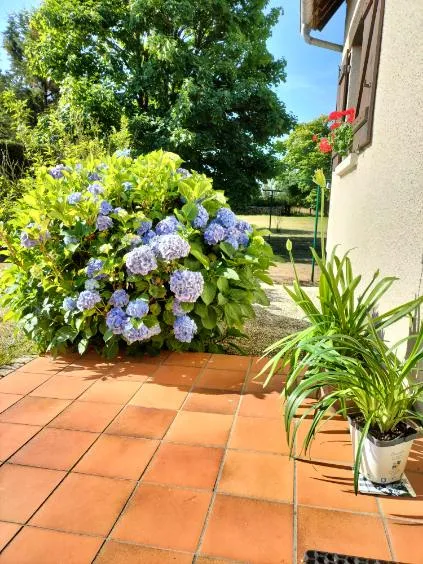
(144, 227)
(183, 172)
(69, 239)
(184, 329)
(148, 237)
(170, 247)
(44, 235)
(243, 226)
(127, 186)
(69, 304)
(243, 239)
(87, 299)
(26, 241)
(167, 225)
(137, 308)
(226, 217)
(176, 308)
(214, 233)
(116, 320)
(133, 334)
(186, 285)
(123, 153)
(91, 284)
(74, 198)
(105, 208)
(56, 171)
(94, 266)
(232, 241)
(202, 217)
(119, 298)
(93, 176)
(95, 189)
(103, 222)
(155, 330)
(141, 260)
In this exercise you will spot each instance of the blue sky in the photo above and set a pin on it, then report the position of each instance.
(310, 88)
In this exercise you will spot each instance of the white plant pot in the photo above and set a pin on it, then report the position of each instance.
(382, 462)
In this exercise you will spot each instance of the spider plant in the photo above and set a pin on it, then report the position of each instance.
(341, 309)
(363, 373)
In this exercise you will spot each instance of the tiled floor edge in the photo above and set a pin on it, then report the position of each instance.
(385, 528)
(7, 369)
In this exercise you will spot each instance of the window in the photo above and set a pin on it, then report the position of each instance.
(359, 69)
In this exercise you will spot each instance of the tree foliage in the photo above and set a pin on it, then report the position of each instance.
(191, 76)
(300, 159)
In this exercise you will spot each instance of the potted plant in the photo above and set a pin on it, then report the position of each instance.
(369, 377)
(340, 138)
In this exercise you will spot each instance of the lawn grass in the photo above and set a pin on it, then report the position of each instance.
(13, 343)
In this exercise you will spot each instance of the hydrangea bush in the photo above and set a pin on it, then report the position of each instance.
(130, 253)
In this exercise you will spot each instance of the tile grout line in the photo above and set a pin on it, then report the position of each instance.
(153, 457)
(222, 463)
(386, 530)
(67, 472)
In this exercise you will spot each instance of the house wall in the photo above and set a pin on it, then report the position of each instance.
(377, 208)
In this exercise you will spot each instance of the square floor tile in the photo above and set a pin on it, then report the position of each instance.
(23, 490)
(22, 382)
(200, 428)
(229, 362)
(43, 364)
(331, 443)
(7, 531)
(197, 359)
(160, 396)
(33, 546)
(13, 436)
(58, 449)
(406, 508)
(212, 401)
(131, 371)
(164, 517)
(84, 504)
(63, 386)
(268, 405)
(406, 541)
(175, 375)
(341, 532)
(253, 531)
(34, 411)
(111, 391)
(185, 465)
(86, 416)
(6, 400)
(117, 457)
(330, 486)
(258, 474)
(122, 553)
(231, 380)
(255, 384)
(136, 421)
(257, 433)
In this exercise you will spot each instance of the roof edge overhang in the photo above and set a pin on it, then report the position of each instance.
(315, 14)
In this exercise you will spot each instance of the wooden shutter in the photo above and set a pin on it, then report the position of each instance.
(342, 96)
(371, 23)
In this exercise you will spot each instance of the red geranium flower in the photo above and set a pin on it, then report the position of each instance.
(335, 115)
(315, 137)
(335, 125)
(325, 146)
(350, 113)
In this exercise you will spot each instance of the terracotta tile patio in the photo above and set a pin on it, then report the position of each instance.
(180, 458)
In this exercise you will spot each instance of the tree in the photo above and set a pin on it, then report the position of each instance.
(301, 158)
(191, 76)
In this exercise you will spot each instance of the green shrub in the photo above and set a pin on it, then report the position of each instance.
(88, 237)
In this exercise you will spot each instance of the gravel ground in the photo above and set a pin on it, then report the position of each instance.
(272, 323)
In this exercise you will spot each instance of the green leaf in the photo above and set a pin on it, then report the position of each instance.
(157, 291)
(107, 335)
(82, 345)
(190, 211)
(231, 274)
(66, 334)
(200, 257)
(223, 284)
(209, 292)
(210, 319)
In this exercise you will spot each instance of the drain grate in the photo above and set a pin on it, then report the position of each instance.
(318, 557)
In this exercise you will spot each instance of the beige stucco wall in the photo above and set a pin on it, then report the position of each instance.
(378, 207)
